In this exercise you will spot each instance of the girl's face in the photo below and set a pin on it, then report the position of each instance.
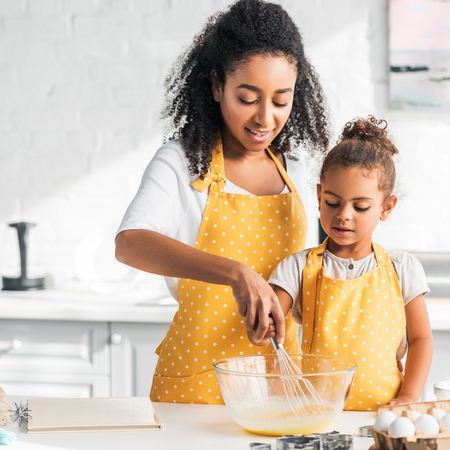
(255, 102)
(350, 206)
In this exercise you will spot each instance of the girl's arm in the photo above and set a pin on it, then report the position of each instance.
(286, 303)
(420, 351)
(159, 254)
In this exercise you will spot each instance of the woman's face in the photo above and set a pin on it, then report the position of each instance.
(255, 102)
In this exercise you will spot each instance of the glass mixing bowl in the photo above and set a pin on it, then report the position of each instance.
(257, 394)
(442, 389)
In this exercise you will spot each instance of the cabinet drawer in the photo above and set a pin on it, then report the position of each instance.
(56, 347)
(60, 385)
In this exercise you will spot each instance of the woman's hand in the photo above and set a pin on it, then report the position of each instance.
(271, 332)
(258, 303)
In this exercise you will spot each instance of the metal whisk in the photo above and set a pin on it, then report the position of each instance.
(298, 401)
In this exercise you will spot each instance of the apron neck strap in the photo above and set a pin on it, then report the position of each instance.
(282, 171)
(316, 254)
(216, 174)
(381, 255)
(217, 166)
(315, 257)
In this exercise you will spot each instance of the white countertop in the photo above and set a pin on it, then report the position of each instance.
(185, 426)
(66, 305)
(79, 306)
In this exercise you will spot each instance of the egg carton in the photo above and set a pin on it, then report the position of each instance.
(439, 441)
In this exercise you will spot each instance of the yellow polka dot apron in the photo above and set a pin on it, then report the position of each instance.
(362, 319)
(258, 231)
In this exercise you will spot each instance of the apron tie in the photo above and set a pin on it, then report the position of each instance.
(201, 184)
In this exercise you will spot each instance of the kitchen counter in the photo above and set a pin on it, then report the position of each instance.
(66, 305)
(159, 308)
(184, 426)
(80, 306)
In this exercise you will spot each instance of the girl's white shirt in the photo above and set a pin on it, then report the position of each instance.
(167, 203)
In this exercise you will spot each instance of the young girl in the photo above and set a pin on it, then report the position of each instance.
(354, 299)
(217, 210)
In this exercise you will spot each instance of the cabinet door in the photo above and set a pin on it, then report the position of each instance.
(133, 358)
(51, 346)
(54, 359)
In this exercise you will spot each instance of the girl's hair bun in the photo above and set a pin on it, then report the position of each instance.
(371, 130)
(365, 143)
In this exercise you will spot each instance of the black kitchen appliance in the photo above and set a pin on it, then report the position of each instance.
(22, 283)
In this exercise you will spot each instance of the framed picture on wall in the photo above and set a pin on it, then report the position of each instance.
(419, 54)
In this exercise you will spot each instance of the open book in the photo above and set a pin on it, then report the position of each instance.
(81, 415)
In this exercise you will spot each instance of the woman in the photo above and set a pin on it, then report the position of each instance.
(217, 210)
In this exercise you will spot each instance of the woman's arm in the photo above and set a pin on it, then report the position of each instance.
(420, 351)
(159, 254)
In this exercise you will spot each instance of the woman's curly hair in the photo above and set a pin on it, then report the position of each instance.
(248, 28)
(365, 143)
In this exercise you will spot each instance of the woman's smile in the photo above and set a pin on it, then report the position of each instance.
(258, 136)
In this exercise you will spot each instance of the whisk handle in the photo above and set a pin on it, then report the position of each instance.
(275, 344)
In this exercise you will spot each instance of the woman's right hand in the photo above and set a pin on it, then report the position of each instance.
(271, 333)
(258, 303)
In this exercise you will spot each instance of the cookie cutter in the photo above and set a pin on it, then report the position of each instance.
(338, 441)
(260, 446)
(365, 431)
(298, 441)
(325, 434)
(334, 440)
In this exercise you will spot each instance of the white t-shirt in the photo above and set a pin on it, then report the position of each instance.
(168, 204)
(289, 276)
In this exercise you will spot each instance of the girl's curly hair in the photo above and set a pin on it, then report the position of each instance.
(365, 143)
(247, 29)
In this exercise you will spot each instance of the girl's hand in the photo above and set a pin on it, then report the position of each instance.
(258, 303)
(401, 399)
(420, 351)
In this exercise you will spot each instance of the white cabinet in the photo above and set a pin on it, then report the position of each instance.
(77, 359)
(52, 358)
(133, 357)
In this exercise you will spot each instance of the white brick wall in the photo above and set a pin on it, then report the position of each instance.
(81, 87)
